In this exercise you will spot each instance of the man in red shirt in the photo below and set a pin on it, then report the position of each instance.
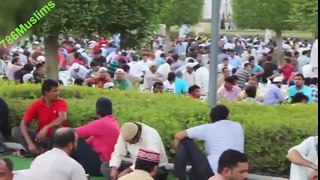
(287, 70)
(77, 59)
(50, 112)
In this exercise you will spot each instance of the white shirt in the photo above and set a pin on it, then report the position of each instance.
(221, 66)
(23, 59)
(150, 139)
(78, 75)
(151, 78)
(158, 53)
(11, 69)
(189, 78)
(168, 87)
(218, 137)
(111, 56)
(3, 67)
(84, 54)
(229, 46)
(202, 79)
(164, 69)
(314, 58)
(56, 164)
(143, 66)
(308, 150)
(245, 56)
(21, 174)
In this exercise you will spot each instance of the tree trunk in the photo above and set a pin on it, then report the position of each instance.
(51, 49)
(167, 46)
(280, 53)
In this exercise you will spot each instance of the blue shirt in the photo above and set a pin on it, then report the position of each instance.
(181, 86)
(305, 90)
(222, 56)
(235, 62)
(160, 61)
(273, 95)
(257, 69)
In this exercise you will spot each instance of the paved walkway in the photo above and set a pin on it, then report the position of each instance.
(259, 177)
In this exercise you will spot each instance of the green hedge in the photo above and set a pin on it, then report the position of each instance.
(269, 131)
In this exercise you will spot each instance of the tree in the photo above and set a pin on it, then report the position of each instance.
(260, 14)
(179, 12)
(135, 20)
(13, 13)
(305, 14)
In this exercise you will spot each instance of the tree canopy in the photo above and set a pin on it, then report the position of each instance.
(305, 14)
(179, 12)
(135, 20)
(84, 17)
(260, 14)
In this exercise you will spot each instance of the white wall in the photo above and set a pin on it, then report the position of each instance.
(225, 8)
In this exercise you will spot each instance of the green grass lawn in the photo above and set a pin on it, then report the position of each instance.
(206, 27)
(24, 163)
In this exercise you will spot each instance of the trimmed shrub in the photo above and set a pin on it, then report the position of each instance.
(269, 131)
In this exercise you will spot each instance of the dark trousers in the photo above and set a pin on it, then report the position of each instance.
(88, 158)
(162, 173)
(189, 153)
(17, 135)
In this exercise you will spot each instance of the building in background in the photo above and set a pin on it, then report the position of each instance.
(225, 9)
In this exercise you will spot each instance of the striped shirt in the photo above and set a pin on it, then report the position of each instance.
(243, 76)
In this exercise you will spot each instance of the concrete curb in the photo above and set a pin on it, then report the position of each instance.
(260, 177)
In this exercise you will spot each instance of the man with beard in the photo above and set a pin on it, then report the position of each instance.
(57, 162)
(101, 80)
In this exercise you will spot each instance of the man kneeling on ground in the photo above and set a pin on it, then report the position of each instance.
(50, 112)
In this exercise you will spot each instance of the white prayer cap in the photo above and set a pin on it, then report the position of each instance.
(27, 77)
(103, 69)
(277, 80)
(108, 85)
(20, 50)
(75, 66)
(41, 59)
(78, 46)
(119, 71)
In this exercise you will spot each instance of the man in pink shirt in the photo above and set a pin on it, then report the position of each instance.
(229, 91)
(94, 153)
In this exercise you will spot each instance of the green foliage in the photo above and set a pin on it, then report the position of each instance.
(14, 12)
(305, 14)
(179, 12)
(260, 14)
(134, 20)
(269, 131)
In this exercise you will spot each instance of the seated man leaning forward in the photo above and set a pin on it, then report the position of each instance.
(219, 136)
(134, 136)
(304, 159)
(50, 112)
